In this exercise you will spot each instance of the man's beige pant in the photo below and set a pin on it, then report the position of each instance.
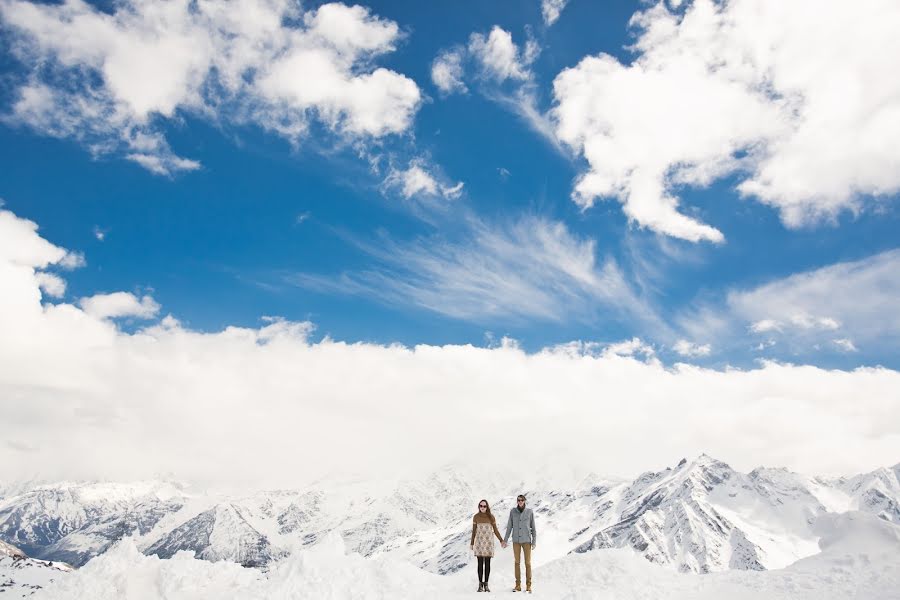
(517, 551)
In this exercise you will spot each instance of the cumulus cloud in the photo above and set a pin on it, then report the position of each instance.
(447, 71)
(250, 405)
(499, 57)
(551, 9)
(113, 80)
(119, 304)
(495, 57)
(530, 269)
(787, 95)
(52, 284)
(855, 300)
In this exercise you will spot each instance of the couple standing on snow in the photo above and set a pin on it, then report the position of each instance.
(520, 524)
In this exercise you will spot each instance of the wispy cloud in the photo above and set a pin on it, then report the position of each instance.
(502, 71)
(532, 268)
(825, 307)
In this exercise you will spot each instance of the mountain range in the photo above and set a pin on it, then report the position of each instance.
(697, 516)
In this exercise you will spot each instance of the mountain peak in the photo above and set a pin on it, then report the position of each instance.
(702, 461)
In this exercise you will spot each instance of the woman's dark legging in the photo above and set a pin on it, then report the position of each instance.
(484, 569)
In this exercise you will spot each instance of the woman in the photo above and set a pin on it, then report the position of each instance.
(482, 543)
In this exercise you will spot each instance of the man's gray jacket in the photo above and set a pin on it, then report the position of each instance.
(521, 525)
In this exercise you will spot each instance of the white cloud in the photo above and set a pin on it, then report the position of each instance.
(95, 401)
(414, 181)
(447, 71)
(530, 269)
(499, 57)
(503, 74)
(163, 163)
(551, 9)
(630, 348)
(797, 321)
(857, 300)
(733, 87)
(690, 349)
(111, 80)
(53, 285)
(418, 180)
(846, 345)
(453, 191)
(119, 304)
(72, 260)
(764, 325)
(21, 246)
(855, 297)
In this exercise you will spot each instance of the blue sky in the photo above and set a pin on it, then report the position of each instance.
(307, 229)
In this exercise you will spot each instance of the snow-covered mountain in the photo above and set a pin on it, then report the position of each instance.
(73, 522)
(703, 516)
(219, 533)
(700, 516)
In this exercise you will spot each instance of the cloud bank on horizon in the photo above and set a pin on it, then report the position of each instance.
(85, 398)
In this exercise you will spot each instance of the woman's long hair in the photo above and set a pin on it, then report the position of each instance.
(487, 511)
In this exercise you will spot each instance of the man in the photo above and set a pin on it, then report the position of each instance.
(521, 525)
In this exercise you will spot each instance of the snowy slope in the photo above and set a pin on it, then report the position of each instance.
(858, 561)
(21, 576)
